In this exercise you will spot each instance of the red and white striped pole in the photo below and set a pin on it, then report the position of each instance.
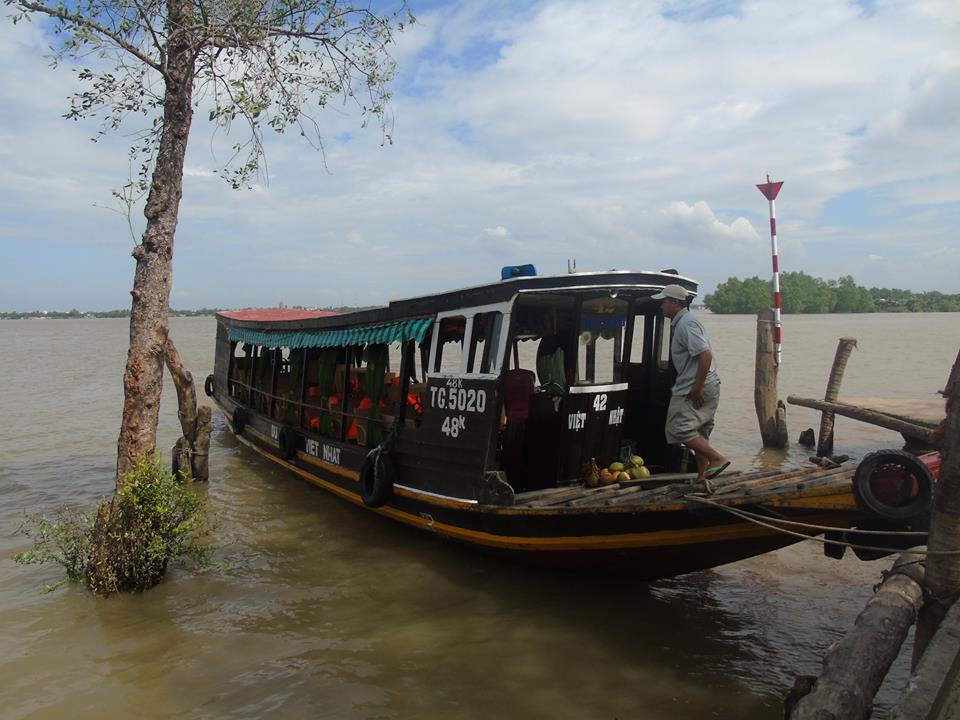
(770, 191)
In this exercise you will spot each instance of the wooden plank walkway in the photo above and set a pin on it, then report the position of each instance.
(920, 411)
(733, 488)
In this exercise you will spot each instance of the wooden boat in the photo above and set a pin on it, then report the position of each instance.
(475, 414)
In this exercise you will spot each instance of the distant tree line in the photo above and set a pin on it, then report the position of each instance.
(73, 314)
(802, 293)
(202, 312)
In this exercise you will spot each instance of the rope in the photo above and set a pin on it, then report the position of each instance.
(823, 541)
(824, 528)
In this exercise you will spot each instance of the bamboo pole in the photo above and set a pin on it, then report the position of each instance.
(864, 414)
(854, 668)
(825, 438)
(771, 413)
(943, 571)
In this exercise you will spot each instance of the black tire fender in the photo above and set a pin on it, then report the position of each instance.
(287, 442)
(208, 386)
(239, 421)
(893, 460)
(377, 476)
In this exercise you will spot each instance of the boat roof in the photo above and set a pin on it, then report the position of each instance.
(276, 314)
(644, 282)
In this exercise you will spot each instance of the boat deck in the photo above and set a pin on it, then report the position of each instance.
(732, 488)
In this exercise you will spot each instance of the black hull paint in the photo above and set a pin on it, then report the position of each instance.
(646, 544)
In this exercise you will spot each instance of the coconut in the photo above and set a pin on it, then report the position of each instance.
(636, 460)
(616, 467)
(591, 473)
(623, 477)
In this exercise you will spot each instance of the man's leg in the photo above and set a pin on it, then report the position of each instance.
(707, 457)
(702, 462)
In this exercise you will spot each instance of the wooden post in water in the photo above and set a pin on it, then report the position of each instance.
(943, 571)
(825, 438)
(854, 667)
(771, 412)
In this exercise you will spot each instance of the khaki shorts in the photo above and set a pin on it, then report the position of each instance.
(685, 422)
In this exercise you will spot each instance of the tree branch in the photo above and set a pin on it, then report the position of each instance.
(156, 40)
(75, 19)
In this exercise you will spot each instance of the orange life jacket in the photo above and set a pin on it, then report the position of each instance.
(413, 400)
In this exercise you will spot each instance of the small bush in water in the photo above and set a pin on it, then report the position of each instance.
(64, 540)
(152, 520)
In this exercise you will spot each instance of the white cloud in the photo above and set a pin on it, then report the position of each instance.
(499, 231)
(198, 172)
(607, 131)
(698, 225)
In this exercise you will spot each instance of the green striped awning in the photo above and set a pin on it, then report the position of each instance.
(391, 332)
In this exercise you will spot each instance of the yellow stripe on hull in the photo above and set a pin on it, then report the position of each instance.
(626, 541)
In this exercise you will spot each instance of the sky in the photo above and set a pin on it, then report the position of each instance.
(627, 135)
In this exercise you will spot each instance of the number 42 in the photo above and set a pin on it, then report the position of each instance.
(600, 402)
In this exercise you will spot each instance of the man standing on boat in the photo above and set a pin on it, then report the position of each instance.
(696, 392)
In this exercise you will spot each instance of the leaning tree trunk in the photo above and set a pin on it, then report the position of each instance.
(192, 449)
(149, 316)
(943, 571)
(855, 666)
(150, 310)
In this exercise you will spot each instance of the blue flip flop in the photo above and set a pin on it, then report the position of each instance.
(714, 472)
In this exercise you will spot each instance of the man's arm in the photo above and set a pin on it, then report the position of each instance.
(704, 360)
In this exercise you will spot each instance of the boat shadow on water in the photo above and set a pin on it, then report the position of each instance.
(393, 586)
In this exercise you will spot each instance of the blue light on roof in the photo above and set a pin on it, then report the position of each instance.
(514, 271)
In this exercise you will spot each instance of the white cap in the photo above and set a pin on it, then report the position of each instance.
(674, 292)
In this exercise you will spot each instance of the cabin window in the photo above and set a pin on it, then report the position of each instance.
(406, 395)
(240, 372)
(544, 339)
(636, 343)
(663, 356)
(371, 401)
(262, 381)
(600, 347)
(287, 390)
(323, 408)
(485, 343)
(449, 357)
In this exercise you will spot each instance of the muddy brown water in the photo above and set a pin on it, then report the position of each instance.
(322, 610)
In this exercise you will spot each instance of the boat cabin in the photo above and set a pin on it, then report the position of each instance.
(514, 386)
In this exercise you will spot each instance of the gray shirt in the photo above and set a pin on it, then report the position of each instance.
(689, 340)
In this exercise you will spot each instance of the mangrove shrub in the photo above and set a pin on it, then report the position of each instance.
(151, 521)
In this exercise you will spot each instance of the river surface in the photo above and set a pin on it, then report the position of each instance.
(319, 609)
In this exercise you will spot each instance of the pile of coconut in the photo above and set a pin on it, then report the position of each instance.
(632, 469)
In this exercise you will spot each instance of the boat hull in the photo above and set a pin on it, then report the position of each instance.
(646, 543)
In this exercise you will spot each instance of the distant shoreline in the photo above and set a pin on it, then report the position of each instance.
(80, 315)
(206, 312)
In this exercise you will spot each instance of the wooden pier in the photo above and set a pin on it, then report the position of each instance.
(923, 592)
(915, 419)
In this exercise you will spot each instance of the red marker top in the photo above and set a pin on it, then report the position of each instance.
(770, 189)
